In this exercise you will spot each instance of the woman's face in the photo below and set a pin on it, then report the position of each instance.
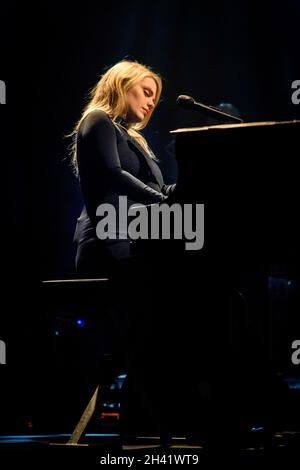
(140, 100)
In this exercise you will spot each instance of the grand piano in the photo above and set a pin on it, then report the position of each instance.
(248, 179)
(215, 306)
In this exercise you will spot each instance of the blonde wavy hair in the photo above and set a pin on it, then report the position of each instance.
(109, 95)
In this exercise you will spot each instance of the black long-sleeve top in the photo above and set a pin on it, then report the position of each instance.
(112, 164)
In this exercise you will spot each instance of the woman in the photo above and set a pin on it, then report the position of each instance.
(113, 159)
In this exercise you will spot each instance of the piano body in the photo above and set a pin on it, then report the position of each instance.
(247, 178)
(214, 304)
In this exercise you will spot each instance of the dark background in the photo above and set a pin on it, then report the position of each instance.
(245, 53)
(235, 52)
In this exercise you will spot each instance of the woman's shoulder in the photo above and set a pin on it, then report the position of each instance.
(95, 119)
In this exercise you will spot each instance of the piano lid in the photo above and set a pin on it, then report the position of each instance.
(235, 126)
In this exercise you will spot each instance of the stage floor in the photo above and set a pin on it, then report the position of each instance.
(107, 449)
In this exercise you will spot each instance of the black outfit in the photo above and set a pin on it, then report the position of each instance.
(111, 163)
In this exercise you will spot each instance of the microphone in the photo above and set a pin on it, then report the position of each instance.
(188, 102)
